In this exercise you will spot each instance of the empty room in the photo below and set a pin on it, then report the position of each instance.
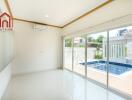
(65, 49)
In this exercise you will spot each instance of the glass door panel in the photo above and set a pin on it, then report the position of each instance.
(68, 47)
(79, 55)
(96, 57)
(120, 65)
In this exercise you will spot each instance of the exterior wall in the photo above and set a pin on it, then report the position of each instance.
(120, 49)
(129, 50)
(116, 48)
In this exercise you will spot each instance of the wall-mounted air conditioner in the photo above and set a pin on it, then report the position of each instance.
(39, 27)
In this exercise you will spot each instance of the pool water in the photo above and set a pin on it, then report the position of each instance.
(114, 68)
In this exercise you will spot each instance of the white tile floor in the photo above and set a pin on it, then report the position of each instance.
(55, 85)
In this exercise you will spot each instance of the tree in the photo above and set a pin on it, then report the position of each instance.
(90, 39)
(100, 39)
(68, 43)
(98, 54)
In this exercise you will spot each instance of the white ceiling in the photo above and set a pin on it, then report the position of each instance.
(60, 12)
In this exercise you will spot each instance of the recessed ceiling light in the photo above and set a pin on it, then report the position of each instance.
(46, 15)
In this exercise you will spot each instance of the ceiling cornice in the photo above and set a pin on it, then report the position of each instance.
(36, 22)
(80, 17)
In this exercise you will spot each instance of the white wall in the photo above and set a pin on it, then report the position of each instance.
(6, 54)
(6, 48)
(115, 14)
(5, 76)
(36, 50)
(6, 57)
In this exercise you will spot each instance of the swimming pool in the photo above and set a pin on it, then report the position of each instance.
(114, 68)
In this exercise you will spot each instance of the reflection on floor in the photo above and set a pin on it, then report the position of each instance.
(56, 85)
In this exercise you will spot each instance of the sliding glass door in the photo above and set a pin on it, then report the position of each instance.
(105, 57)
(96, 57)
(68, 52)
(120, 55)
(79, 55)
